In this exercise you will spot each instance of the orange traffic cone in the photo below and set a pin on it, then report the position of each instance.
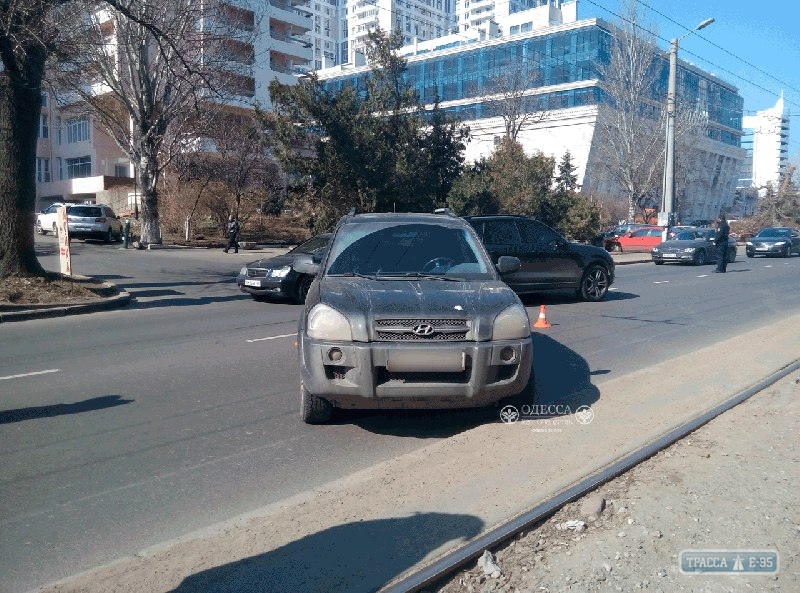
(542, 321)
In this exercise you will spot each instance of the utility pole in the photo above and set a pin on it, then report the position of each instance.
(667, 214)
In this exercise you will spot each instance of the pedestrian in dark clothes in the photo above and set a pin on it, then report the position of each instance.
(233, 234)
(721, 241)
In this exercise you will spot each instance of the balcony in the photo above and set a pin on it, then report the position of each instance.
(290, 46)
(286, 13)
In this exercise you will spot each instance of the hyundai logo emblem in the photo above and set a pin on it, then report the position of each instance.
(423, 329)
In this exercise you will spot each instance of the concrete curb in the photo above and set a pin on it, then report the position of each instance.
(26, 312)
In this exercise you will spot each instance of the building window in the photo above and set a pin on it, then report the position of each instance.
(77, 130)
(59, 171)
(43, 170)
(58, 130)
(44, 128)
(121, 170)
(79, 167)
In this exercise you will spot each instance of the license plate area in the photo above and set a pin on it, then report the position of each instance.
(256, 283)
(426, 361)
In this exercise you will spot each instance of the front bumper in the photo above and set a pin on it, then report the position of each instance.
(277, 287)
(401, 375)
(762, 249)
(678, 257)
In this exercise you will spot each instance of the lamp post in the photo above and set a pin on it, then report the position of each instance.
(667, 214)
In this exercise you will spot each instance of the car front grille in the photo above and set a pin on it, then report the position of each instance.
(421, 329)
(256, 273)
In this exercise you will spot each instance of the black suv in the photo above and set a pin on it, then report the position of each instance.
(548, 260)
(408, 311)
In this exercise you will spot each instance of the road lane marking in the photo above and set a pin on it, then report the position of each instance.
(29, 374)
(661, 282)
(272, 338)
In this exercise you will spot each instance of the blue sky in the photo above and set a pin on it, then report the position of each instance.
(753, 45)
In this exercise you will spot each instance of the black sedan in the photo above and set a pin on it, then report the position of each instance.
(776, 240)
(690, 246)
(548, 260)
(277, 276)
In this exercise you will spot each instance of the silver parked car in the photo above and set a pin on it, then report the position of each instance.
(93, 221)
(408, 311)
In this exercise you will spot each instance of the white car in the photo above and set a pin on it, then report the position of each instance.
(46, 220)
(93, 221)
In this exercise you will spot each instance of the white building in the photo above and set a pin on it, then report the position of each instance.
(565, 55)
(766, 139)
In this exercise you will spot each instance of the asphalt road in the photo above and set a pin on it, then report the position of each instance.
(122, 429)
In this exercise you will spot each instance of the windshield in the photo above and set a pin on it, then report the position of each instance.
(313, 244)
(773, 233)
(85, 211)
(414, 249)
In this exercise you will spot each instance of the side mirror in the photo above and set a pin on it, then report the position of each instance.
(506, 264)
(305, 264)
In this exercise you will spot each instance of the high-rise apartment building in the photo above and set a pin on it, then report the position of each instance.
(766, 140)
(77, 161)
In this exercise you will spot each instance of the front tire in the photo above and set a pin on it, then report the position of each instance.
(313, 409)
(731, 255)
(303, 286)
(109, 238)
(615, 248)
(55, 230)
(700, 258)
(787, 252)
(39, 228)
(594, 284)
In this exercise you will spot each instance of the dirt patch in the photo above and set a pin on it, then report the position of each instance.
(50, 290)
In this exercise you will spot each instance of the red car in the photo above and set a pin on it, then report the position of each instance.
(643, 239)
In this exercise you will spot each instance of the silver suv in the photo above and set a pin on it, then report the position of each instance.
(408, 311)
(93, 221)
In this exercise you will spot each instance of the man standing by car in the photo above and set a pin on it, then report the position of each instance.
(721, 241)
(233, 233)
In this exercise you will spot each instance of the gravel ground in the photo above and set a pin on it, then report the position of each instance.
(732, 484)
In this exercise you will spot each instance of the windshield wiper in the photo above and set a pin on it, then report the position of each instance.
(357, 275)
(420, 275)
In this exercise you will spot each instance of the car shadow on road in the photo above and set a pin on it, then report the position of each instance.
(566, 297)
(89, 405)
(357, 556)
(177, 302)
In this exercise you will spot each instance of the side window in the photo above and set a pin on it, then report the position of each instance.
(642, 233)
(538, 234)
(654, 233)
(500, 232)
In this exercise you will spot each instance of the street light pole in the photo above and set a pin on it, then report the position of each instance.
(668, 206)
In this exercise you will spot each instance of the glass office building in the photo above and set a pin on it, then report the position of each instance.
(565, 62)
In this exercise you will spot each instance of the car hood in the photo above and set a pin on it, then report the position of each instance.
(277, 261)
(592, 251)
(361, 298)
(770, 240)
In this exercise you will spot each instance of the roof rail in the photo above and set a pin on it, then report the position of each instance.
(446, 211)
(352, 211)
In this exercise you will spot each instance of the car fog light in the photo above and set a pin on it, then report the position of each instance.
(335, 355)
(507, 354)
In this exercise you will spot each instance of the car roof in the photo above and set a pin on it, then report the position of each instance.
(403, 217)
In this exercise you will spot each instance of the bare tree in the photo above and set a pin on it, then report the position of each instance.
(631, 137)
(35, 32)
(510, 97)
(146, 94)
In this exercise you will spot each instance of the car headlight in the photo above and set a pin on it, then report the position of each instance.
(243, 271)
(655, 250)
(326, 323)
(689, 249)
(280, 272)
(749, 243)
(511, 324)
(781, 243)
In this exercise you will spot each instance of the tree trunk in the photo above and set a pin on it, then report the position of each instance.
(148, 178)
(20, 106)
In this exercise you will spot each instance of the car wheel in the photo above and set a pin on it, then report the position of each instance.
(658, 263)
(313, 409)
(615, 248)
(700, 258)
(750, 254)
(39, 228)
(55, 230)
(731, 255)
(109, 238)
(787, 251)
(303, 285)
(594, 284)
